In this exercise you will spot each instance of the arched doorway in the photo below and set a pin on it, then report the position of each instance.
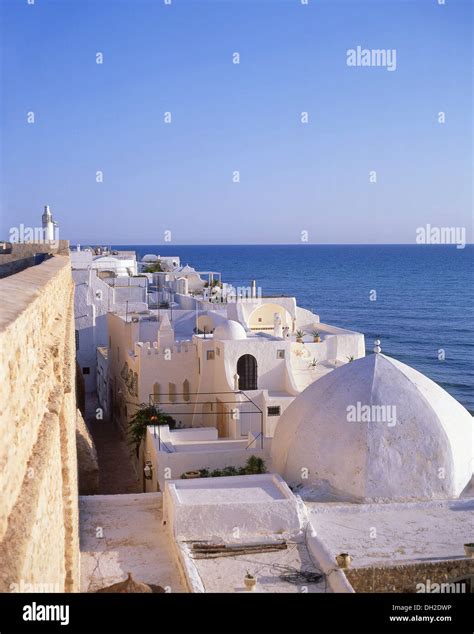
(247, 371)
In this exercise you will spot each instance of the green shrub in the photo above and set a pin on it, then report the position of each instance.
(154, 268)
(255, 465)
(144, 416)
(229, 471)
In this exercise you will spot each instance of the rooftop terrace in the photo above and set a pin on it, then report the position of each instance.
(432, 531)
(134, 540)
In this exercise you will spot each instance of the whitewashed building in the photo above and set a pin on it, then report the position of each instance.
(167, 262)
(229, 377)
(104, 281)
(350, 441)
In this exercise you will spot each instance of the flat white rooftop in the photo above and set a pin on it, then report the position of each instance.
(273, 570)
(133, 540)
(229, 492)
(399, 533)
(245, 513)
(192, 439)
(261, 506)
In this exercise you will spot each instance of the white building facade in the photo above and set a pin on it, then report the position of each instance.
(197, 364)
(103, 282)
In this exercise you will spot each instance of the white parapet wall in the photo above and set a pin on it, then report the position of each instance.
(336, 578)
(188, 434)
(174, 452)
(253, 507)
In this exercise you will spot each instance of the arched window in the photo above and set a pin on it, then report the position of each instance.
(186, 390)
(156, 392)
(247, 371)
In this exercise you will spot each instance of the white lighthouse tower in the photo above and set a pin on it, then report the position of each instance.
(49, 225)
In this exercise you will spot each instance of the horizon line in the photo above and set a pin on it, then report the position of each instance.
(265, 244)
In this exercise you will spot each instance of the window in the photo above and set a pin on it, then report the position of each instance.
(77, 339)
(273, 410)
(218, 352)
(210, 355)
(260, 320)
(156, 392)
(86, 370)
(172, 392)
(280, 354)
(98, 295)
(186, 390)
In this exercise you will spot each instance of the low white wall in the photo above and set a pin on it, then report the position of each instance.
(185, 302)
(188, 568)
(188, 434)
(191, 457)
(218, 446)
(336, 578)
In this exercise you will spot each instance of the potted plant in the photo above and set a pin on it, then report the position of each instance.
(343, 560)
(313, 364)
(189, 475)
(250, 581)
(469, 550)
(299, 336)
(350, 359)
(316, 336)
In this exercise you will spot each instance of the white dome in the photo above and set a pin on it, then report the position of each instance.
(230, 330)
(209, 320)
(150, 257)
(423, 450)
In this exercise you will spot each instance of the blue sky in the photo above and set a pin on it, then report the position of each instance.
(294, 177)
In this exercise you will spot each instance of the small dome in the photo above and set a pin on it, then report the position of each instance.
(208, 320)
(376, 429)
(150, 257)
(230, 330)
(185, 270)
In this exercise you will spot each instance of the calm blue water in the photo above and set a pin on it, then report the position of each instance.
(424, 295)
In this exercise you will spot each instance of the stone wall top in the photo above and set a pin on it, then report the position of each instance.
(22, 250)
(18, 291)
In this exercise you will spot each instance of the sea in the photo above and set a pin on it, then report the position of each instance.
(418, 299)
